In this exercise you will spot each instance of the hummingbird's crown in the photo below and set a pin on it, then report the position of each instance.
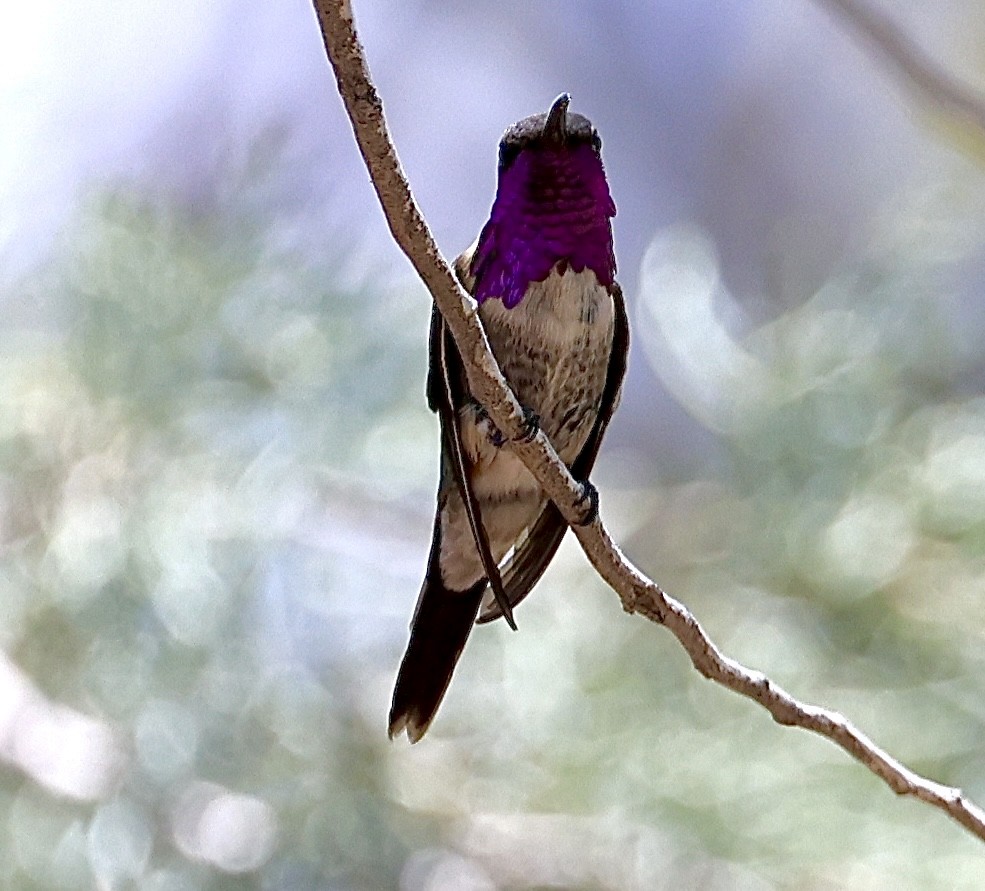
(552, 128)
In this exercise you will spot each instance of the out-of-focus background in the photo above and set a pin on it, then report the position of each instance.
(217, 467)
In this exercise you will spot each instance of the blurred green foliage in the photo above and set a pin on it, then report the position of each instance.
(216, 473)
(181, 408)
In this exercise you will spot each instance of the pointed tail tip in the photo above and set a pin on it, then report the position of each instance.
(441, 626)
(408, 723)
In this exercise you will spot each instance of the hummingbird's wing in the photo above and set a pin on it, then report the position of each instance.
(443, 617)
(447, 393)
(532, 555)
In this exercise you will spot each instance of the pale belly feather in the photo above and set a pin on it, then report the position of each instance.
(554, 350)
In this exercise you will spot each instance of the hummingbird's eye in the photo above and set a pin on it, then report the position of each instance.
(507, 154)
(596, 142)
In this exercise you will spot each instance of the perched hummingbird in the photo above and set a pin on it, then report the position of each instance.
(543, 274)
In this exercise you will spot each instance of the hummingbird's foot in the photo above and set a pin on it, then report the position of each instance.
(531, 425)
(591, 495)
(493, 433)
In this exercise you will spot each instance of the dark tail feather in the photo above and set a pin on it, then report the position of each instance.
(441, 626)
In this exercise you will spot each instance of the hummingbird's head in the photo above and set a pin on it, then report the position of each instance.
(552, 206)
(557, 130)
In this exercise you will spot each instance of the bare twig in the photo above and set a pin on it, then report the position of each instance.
(637, 593)
(909, 62)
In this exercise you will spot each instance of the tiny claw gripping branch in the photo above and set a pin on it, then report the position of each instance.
(531, 425)
(590, 495)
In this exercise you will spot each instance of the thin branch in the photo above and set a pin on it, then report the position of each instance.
(909, 62)
(637, 593)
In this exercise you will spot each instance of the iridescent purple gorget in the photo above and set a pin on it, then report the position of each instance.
(552, 206)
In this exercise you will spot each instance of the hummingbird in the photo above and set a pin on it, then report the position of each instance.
(543, 274)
